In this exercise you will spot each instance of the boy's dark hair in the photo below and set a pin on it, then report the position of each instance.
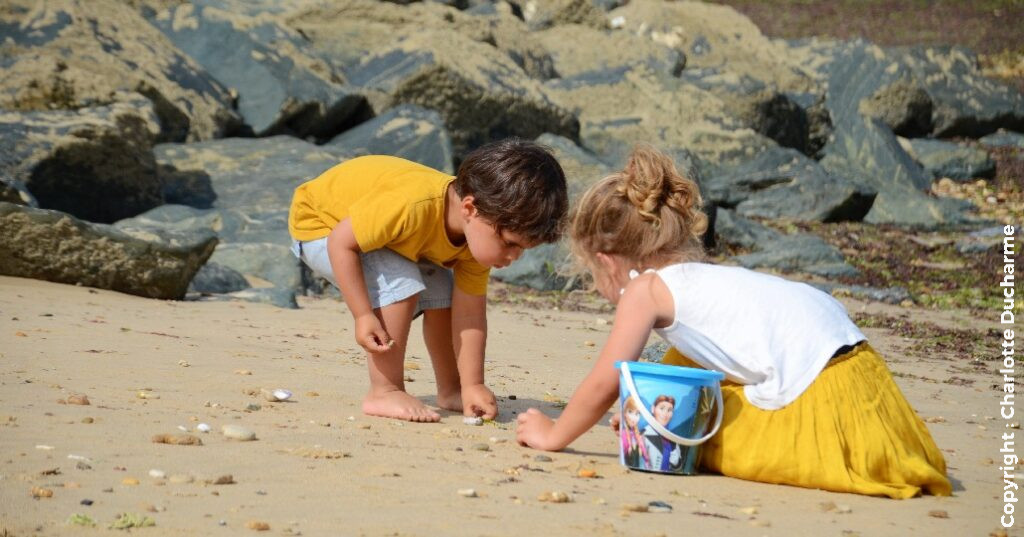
(518, 186)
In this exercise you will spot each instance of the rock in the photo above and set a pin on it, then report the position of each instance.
(586, 473)
(70, 54)
(270, 262)
(542, 458)
(945, 159)
(281, 88)
(481, 94)
(177, 439)
(903, 105)
(408, 131)
(1003, 138)
(756, 105)
(94, 163)
(467, 493)
(237, 432)
(966, 103)
(577, 49)
(226, 479)
(481, 447)
(349, 31)
(97, 255)
(938, 513)
(130, 481)
(738, 231)
(216, 278)
(540, 15)
(715, 36)
(889, 295)
(81, 399)
(654, 352)
(864, 150)
(257, 525)
(543, 267)
(41, 492)
(804, 253)
(554, 497)
(657, 506)
(783, 183)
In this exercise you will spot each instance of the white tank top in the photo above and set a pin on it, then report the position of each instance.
(770, 334)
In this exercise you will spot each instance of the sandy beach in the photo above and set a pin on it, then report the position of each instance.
(319, 467)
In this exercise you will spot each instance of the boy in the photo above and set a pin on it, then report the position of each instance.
(386, 231)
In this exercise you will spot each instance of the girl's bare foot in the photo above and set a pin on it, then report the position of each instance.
(398, 404)
(450, 401)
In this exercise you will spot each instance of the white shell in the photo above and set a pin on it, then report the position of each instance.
(157, 474)
(276, 395)
(203, 428)
(473, 420)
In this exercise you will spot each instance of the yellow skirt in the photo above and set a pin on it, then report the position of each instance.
(851, 431)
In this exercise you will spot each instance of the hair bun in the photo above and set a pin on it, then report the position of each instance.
(652, 184)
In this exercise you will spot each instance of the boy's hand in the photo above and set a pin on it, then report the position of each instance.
(478, 400)
(533, 429)
(371, 335)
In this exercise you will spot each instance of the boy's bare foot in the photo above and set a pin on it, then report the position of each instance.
(400, 405)
(451, 402)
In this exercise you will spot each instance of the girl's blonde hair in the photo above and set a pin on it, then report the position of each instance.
(647, 213)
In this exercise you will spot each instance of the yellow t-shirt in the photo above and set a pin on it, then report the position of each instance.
(392, 203)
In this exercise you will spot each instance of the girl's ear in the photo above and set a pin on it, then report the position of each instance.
(605, 262)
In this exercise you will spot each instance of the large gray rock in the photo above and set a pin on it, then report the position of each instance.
(272, 263)
(346, 31)
(737, 231)
(94, 163)
(69, 54)
(671, 115)
(903, 105)
(1003, 138)
(481, 94)
(783, 183)
(581, 167)
(864, 149)
(406, 131)
(53, 246)
(966, 103)
(802, 253)
(544, 268)
(214, 278)
(716, 36)
(577, 49)
(946, 159)
(281, 88)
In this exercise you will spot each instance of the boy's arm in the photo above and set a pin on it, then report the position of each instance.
(634, 319)
(469, 338)
(343, 251)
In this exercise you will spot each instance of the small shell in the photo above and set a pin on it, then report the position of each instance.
(276, 395)
(157, 474)
(473, 420)
(203, 428)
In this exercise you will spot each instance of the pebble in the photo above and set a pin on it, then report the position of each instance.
(542, 458)
(108, 489)
(312, 394)
(257, 525)
(131, 481)
(243, 372)
(554, 497)
(749, 511)
(364, 425)
(203, 428)
(87, 420)
(86, 502)
(467, 493)
(78, 400)
(586, 472)
(182, 428)
(177, 439)
(657, 506)
(226, 479)
(275, 395)
(147, 395)
(252, 407)
(938, 513)
(82, 466)
(40, 492)
(157, 474)
(589, 343)
(183, 363)
(473, 420)
(237, 432)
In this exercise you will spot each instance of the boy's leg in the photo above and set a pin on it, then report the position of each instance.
(436, 303)
(437, 334)
(387, 396)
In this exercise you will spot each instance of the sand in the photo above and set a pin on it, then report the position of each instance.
(319, 467)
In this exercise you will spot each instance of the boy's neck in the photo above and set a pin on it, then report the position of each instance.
(453, 224)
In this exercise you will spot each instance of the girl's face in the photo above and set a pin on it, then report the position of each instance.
(632, 417)
(663, 412)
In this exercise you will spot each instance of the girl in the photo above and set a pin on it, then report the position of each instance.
(807, 401)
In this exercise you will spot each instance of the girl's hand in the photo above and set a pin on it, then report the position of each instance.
(371, 335)
(533, 429)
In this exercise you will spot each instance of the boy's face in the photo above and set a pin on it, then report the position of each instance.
(488, 246)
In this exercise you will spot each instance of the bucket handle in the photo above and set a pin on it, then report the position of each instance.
(627, 377)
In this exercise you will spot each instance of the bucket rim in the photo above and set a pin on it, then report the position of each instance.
(652, 368)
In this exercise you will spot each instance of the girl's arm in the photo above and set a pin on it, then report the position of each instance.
(638, 312)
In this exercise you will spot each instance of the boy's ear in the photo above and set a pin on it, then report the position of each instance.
(467, 206)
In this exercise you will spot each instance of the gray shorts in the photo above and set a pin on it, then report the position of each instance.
(389, 277)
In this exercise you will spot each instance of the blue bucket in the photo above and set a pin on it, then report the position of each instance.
(665, 413)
